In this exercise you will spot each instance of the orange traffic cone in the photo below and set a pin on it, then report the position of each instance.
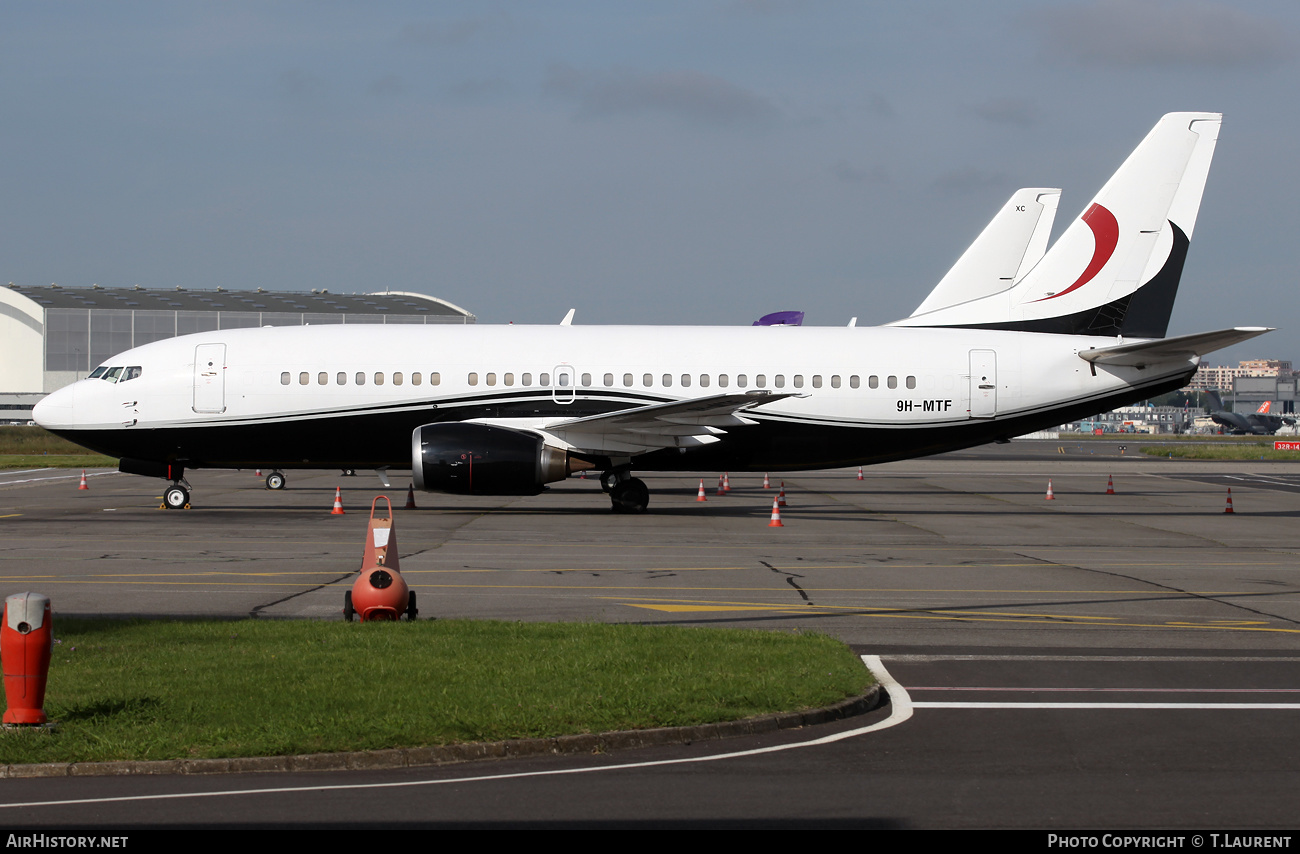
(410, 497)
(338, 502)
(83, 480)
(780, 496)
(1049, 496)
(860, 473)
(701, 497)
(767, 484)
(776, 515)
(257, 472)
(726, 481)
(1110, 485)
(721, 491)
(1228, 509)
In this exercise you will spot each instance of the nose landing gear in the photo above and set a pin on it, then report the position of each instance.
(177, 496)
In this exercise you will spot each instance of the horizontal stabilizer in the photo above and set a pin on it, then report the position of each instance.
(1145, 353)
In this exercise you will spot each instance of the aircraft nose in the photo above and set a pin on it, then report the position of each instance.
(56, 409)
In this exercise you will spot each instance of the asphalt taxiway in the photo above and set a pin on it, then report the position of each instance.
(1122, 660)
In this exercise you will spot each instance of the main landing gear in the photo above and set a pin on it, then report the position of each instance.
(275, 480)
(627, 494)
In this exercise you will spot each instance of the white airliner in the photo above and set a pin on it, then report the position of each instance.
(1013, 340)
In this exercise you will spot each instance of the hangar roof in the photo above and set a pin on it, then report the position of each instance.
(221, 299)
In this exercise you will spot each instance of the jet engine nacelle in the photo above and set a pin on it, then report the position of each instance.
(483, 459)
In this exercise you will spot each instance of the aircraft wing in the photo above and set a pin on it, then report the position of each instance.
(1144, 353)
(677, 424)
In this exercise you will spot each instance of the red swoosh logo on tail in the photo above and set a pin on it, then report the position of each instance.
(1105, 232)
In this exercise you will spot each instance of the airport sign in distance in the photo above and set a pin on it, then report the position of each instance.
(1285, 446)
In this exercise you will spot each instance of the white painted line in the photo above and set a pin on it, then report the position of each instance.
(922, 705)
(55, 477)
(900, 711)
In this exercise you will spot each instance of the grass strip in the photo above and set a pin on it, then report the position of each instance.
(35, 440)
(203, 689)
(58, 461)
(1252, 451)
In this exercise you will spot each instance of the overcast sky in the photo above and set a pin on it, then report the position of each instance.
(658, 162)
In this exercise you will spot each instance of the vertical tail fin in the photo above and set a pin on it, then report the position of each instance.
(1008, 247)
(1115, 270)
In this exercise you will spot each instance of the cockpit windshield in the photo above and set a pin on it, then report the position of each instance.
(112, 375)
(130, 373)
(97, 373)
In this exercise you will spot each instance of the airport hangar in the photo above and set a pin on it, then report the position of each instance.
(51, 336)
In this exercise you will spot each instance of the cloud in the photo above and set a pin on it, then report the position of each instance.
(450, 33)
(1007, 111)
(692, 96)
(847, 173)
(389, 84)
(1160, 33)
(961, 182)
(298, 85)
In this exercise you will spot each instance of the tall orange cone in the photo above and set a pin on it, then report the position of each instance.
(726, 481)
(1110, 485)
(1228, 509)
(338, 502)
(83, 480)
(721, 491)
(860, 473)
(767, 484)
(701, 497)
(780, 496)
(776, 515)
(410, 497)
(1049, 496)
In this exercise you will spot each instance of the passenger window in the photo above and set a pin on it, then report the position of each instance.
(686, 380)
(704, 380)
(722, 380)
(760, 381)
(586, 380)
(508, 379)
(361, 378)
(780, 381)
(284, 378)
(798, 380)
(131, 373)
(835, 380)
(609, 380)
(892, 382)
(435, 378)
(491, 379)
(647, 380)
(528, 379)
(415, 378)
(873, 381)
(817, 380)
(911, 382)
(304, 378)
(95, 374)
(397, 377)
(627, 379)
(342, 378)
(741, 381)
(855, 381)
(562, 380)
(473, 378)
(323, 378)
(543, 379)
(668, 380)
